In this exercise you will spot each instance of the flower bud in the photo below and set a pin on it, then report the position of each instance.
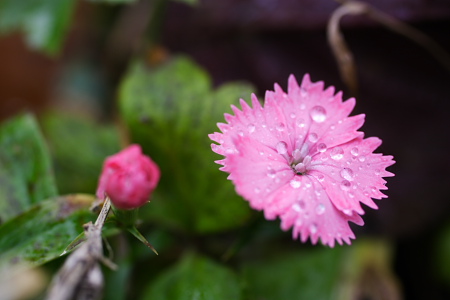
(128, 178)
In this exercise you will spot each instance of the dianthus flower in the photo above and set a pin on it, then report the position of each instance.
(301, 158)
(128, 178)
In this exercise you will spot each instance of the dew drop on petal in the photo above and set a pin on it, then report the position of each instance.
(347, 174)
(345, 185)
(281, 148)
(280, 126)
(362, 158)
(377, 172)
(257, 190)
(292, 116)
(320, 209)
(337, 153)
(313, 137)
(241, 133)
(303, 93)
(251, 127)
(300, 123)
(318, 114)
(296, 207)
(348, 212)
(295, 183)
(271, 173)
(321, 147)
(320, 177)
(313, 228)
(354, 151)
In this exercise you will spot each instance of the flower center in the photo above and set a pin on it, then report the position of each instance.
(300, 167)
(299, 160)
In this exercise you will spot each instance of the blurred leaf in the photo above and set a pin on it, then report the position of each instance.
(194, 277)
(299, 275)
(44, 22)
(114, 1)
(367, 272)
(25, 169)
(190, 2)
(170, 110)
(442, 255)
(79, 147)
(44, 231)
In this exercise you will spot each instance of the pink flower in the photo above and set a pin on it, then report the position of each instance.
(128, 178)
(301, 158)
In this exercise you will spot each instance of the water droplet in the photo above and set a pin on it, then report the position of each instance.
(295, 183)
(271, 173)
(347, 174)
(302, 204)
(281, 148)
(264, 125)
(296, 207)
(302, 106)
(300, 123)
(261, 153)
(345, 185)
(320, 209)
(348, 212)
(241, 133)
(318, 114)
(293, 116)
(303, 92)
(257, 190)
(280, 127)
(251, 128)
(362, 158)
(337, 153)
(313, 228)
(313, 137)
(321, 147)
(377, 172)
(320, 177)
(354, 151)
(351, 194)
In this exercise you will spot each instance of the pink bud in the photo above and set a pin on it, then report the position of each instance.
(128, 178)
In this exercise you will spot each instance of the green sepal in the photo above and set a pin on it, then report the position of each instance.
(133, 230)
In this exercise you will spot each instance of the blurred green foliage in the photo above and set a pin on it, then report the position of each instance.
(195, 277)
(301, 274)
(44, 231)
(170, 110)
(44, 22)
(26, 174)
(78, 146)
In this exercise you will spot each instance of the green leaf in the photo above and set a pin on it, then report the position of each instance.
(44, 231)
(25, 170)
(79, 146)
(170, 110)
(113, 1)
(44, 22)
(195, 277)
(190, 2)
(303, 274)
(441, 254)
